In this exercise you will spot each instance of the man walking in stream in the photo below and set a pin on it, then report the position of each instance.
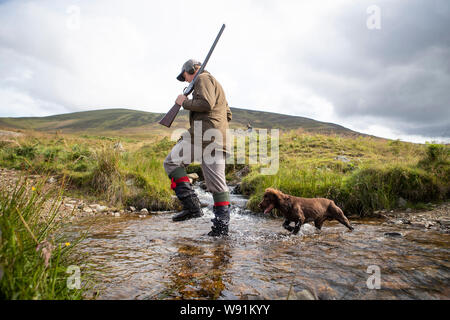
(205, 142)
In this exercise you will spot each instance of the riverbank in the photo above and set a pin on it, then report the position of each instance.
(36, 261)
(430, 217)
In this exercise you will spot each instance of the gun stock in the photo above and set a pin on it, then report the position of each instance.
(170, 116)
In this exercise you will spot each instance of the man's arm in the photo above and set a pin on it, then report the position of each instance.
(204, 96)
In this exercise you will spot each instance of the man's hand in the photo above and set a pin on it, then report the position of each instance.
(180, 99)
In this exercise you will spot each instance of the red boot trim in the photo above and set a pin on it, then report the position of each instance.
(223, 203)
(182, 179)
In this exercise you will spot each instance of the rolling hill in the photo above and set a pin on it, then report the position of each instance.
(133, 121)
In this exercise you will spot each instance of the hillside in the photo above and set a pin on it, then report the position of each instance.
(132, 121)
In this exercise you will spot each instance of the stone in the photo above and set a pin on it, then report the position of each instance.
(444, 222)
(393, 234)
(402, 221)
(118, 146)
(408, 210)
(116, 214)
(101, 208)
(236, 189)
(428, 224)
(401, 202)
(87, 210)
(69, 205)
(51, 180)
(304, 295)
(194, 176)
(132, 209)
(144, 211)
(342, 158)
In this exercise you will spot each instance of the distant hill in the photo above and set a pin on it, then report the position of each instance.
(133, 121)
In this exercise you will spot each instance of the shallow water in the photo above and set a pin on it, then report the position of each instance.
(155, 258)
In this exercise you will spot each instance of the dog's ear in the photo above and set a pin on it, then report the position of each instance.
(277, 193)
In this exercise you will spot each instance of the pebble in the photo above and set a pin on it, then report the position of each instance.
(428, 224)
(302, 295)
(51, 180)
(101, 208)
(87, 210)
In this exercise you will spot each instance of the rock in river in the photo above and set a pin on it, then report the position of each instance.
(393, 234)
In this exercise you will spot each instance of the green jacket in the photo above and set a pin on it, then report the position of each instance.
(208, 105)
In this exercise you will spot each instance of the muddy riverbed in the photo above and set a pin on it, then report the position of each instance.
(151, 257)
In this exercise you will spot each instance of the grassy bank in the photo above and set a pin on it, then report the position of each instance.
(34, 258)
(97, 167)
(361, 174)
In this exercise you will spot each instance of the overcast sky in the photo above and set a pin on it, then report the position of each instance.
(378, 67)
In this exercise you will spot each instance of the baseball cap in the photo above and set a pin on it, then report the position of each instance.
(188, 65)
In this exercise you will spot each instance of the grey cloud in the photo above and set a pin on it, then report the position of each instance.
(398, 74)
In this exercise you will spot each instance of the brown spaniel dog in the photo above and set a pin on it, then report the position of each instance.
(301, 210)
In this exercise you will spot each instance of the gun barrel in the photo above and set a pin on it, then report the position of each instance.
(170, 116)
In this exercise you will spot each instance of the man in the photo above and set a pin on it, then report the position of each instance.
(209, 110)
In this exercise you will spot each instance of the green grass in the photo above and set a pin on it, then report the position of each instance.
(362, 174)
(376, 175)
(24, 229)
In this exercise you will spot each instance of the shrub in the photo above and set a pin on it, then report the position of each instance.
(380, 188)
(27, 151)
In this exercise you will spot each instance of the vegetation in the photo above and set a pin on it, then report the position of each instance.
(361, 173)
(33, 257)
(112, 162)
(97, 168)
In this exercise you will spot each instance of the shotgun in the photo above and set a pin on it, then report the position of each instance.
(170, 116)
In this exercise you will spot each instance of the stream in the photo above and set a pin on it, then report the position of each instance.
(151, 257)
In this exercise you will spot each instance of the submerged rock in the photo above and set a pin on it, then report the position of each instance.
(301, 295)
(192, 177)
(393, 234)
(236, 189)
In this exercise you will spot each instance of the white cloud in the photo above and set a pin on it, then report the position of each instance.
(127, 54)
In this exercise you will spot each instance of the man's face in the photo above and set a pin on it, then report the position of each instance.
(188, 77)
